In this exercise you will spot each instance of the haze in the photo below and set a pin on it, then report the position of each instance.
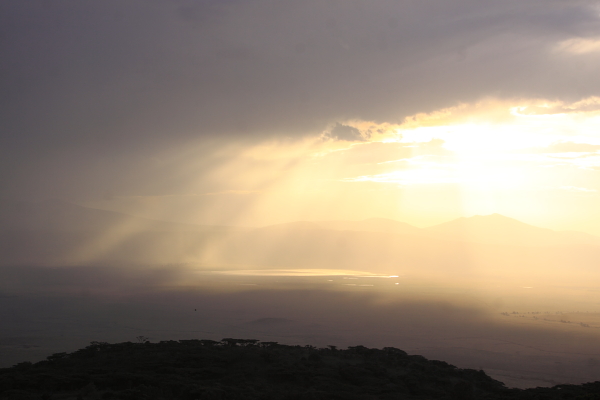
(416, 174)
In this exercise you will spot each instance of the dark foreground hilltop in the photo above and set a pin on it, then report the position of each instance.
(249, 369)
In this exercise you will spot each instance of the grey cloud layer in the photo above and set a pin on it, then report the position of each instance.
(91, 86)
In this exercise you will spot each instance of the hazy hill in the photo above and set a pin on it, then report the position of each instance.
(498, 229)
(289, 226)
(278, 247)
(491, 246)
(398, 254)
(249, 369)
(488, 229)
(371, 225)
(59, 233)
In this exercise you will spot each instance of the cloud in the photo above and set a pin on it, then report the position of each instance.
(589, 105)
(565, 147)
(579, 46)
(493, 110)
(94, 94)
(369, 155)
(347, 133)
(578, 189)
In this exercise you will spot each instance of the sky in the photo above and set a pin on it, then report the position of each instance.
(262, 112)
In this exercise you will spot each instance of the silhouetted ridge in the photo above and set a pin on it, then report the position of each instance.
(250, 369)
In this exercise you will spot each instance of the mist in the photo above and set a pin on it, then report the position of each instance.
(518, 302)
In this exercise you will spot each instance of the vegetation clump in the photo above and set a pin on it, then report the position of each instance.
(250, 369)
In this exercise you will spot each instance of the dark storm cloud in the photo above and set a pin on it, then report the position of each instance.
(91, 91)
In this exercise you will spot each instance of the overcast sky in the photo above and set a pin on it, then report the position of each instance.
(113, 103)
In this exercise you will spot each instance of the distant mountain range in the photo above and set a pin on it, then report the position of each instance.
(491, 229)
(371, 225)
(498, 229)
(57, 233)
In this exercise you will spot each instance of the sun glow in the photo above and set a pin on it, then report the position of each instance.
(537, 160)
